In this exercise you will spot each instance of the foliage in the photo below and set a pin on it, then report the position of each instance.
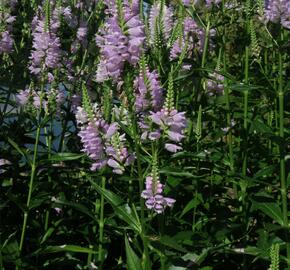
(144, 134)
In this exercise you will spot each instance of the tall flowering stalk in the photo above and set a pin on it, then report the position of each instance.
(171, 123)
(153, 193)
(283, 180)
(32, 176)
(149, 93)
(160, 22)
(102, 142)
(46, 53)
(120, 40)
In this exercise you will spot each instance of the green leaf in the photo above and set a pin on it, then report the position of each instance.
(19, 150)
(83, 209)
(10, 251)
(66, 156)
(50, 231)
(196, 258)
(259, 126)
(173, 267)
(133, 262)
(266, 171)
(39, 199)
(270, 209)
(170, 242)
(175, 172)
(121, 209)
(70, 248)
(190, 205)
(8, 239)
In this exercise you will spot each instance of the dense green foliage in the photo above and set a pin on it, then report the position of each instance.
(230, 180)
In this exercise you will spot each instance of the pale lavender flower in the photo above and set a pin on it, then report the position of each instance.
(6, 42)
(82, 34)
(176, 49)
(103, 143)
(81, 116)
(118, 155)
(23, 97)
(46, 51)
(149, 93)
(119, 43)
(160, 22)
(3, 164)
(153, 196)
(91, 137)
(76, 101)
(201, 39)
(114, 51)
(187, 3)
(136, 38)
(278, 11)
(211, 3)
(172, 124)
(216, 84)
(173, 148)
(70, 18)
(131, 8)
(186, 40)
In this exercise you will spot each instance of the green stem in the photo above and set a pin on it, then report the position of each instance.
(136, 139)
(101, 225)
(282, 157)
(227, 99)
(32, 178)
(32, 174)
(228, 115)
(205, 42)
(48, 144)
(147, 265)
(96, 211)
(246, 94)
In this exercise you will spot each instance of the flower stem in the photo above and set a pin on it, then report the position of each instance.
(246, 94)
(32, 178)
(205, 42)
(136, 139)
(101, 225)
(48, 144)
(282, 156)
(228, 116)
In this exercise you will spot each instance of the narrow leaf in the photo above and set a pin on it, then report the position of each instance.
(133, 262)
(270, 209)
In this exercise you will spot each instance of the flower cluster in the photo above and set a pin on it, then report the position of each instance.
(160, 22)
(120, 40)
(153, 195)
(103, 143)
(172, 123)
(211, 3)
(149, 93)
(46, 51)
(117, 152)
(278, 11)
(81, 37)
(51, 100)
(6, 40)
(216, 85)
(192, 36)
